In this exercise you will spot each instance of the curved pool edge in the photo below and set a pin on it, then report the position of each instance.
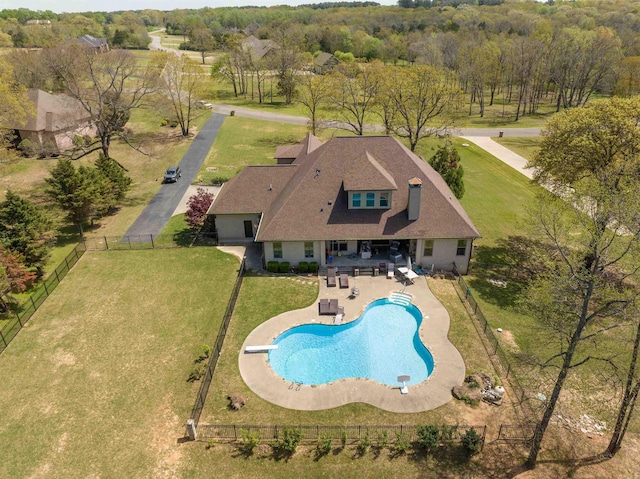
(449, 369)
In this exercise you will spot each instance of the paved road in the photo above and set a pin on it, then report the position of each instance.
(300, 120)
(163, 204)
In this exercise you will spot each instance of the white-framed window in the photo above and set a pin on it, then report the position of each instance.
(356, 200)
(277, 250)
(384, 200)
(462, 248)
(428, 248)
(308, 249)
(371, 200)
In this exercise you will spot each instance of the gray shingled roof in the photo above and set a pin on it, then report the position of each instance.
(259, 48)
(323, 58)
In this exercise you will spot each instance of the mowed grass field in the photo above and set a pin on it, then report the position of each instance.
(96, 384)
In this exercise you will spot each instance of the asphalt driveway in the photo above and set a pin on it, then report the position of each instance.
(161, 207)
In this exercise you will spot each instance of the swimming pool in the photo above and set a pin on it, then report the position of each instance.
(380, 345)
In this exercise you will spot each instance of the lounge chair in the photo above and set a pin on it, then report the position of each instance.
(328, 307)
(344, 280)
(331, 277)
(391, 271)
(339, 316)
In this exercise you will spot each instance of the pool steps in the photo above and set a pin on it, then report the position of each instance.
(401, 298)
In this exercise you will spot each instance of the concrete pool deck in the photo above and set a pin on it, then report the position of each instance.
(449, 368)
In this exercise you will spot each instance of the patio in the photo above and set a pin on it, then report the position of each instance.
(449, 369)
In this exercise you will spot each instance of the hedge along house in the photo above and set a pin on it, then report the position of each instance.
(352, 200)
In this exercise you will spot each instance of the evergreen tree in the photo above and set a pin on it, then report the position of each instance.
(446, 161)
(116, 185)
(26, 230)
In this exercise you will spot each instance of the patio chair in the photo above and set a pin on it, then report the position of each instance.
(339, 317)
(328, 307)
(391, 271)
(331, 277)
(344, 280)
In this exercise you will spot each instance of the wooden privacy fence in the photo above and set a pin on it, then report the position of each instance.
(27, 309)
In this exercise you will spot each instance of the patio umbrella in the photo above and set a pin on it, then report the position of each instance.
(409, 262)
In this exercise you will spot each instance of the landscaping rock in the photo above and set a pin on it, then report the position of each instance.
(236, 401)
(458, 391)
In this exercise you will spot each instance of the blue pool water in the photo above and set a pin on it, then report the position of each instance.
(380, 345)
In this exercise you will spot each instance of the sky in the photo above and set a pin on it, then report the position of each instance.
(60, 6)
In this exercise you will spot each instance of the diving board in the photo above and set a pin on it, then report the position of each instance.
(261, 348)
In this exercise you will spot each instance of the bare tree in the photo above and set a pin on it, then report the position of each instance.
(108, 86)
(313, 94)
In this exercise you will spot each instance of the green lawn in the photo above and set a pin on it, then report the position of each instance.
(525, 146)
(95, 385)
(245, 141)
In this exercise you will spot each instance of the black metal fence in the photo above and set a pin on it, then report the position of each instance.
(503, 362)
(311, 433)
(149, 241)
(217, 349)
(516, 434)
(24, 312)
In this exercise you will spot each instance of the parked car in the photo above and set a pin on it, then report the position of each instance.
(172, 174)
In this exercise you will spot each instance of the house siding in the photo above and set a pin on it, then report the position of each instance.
(231, 227)
(293, 252)
(444, 254)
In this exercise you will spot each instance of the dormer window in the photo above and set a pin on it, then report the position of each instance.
(371, 200)
(360, 200)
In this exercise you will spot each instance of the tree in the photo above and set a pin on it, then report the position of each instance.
(201, 40)
(285, 58)
(446, 161)
(233, 65)
(14, 103)
(76, 191)
(594, 228)
(14, 276)
(313, 94)
(354, 92)
(198, 206)
(115, 185)
(108, 86)
(427, 102)
(26, 230)
(182, 83)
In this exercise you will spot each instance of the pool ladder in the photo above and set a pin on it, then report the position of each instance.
(401, 298)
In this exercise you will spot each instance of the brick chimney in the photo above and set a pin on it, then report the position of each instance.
(415, 191)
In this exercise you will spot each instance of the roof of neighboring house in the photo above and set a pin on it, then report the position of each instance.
(313, 204)
(252, 190)
(259, 47)
(323, 58)
(306, 146)
(65, 111)
(93, 41)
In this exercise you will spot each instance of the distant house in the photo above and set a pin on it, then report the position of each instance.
(56, 119)
(258, 49)
(99, 44)
(363, 197)
(324, 63)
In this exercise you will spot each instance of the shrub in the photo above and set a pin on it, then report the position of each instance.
(291, 437)
(284, 267)
(343, 438)
(211, 443)
(428, 436)
(402, 443)
(28, 147)
(364, 444)
(447, 433)
(197, 372)
(272, 266)
(250, 439)
(164, 122)
(471, 402)
(472, 442)
(383, 439)
(303, 266)
(324, 445)
(173, 123)
(313, 267)
(206, 352)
